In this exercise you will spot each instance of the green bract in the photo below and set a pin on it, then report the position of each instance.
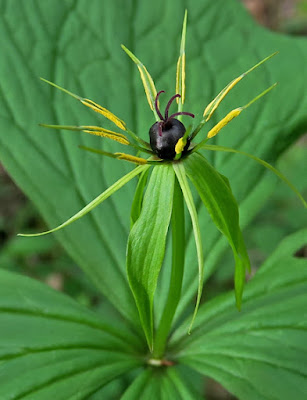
(160, 200)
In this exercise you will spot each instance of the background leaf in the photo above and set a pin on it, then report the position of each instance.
(76, 44)
(53, 347)
(259, 353)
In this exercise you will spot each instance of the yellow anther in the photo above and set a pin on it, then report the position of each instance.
(180, 78)
(106, 113)
(183, 78)
(128, 157)
(231, 115)
(148, 83)
(180, 145)
(211, 107)
(178, 70)
(99, 128)
(118, 137)
(180, 73)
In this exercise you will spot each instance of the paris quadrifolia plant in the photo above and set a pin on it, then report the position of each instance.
(173, 159)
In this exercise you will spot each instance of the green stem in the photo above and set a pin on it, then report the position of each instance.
(178, 250)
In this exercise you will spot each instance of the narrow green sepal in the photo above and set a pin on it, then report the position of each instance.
(98, 151)
(62, 89)
(260, 161)
(94, 203)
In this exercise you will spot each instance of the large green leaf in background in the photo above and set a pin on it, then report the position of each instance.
(259, 353)
(51, 347)
(77, 45)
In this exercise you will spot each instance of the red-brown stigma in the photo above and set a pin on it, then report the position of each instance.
(164, 120)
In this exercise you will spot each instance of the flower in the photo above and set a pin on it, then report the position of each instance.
(172, 146)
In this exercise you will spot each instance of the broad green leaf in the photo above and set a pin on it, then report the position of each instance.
(178, 261)
(146, 243)
(77, 45)
(258, 353)
(217, 196)
(52, 347)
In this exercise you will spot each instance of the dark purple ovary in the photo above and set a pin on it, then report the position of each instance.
(165, 133)
(164, 145)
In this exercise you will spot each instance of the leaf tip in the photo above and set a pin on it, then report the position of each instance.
(239, 300)
(126, 50)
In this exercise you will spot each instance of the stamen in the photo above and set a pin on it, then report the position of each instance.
(223, 122)
(129, 157)
(180, 145)
(108, 134)
(169, 104)
(106, 113)
(182, 113)
(157, 107)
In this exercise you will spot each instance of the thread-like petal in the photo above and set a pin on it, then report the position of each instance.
(180, 146)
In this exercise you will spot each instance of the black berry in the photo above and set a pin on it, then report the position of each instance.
(165, 133)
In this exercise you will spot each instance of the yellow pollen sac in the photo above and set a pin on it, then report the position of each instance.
(180, 146)
(211, 107)
(106, 113)
(231, 115)
(180, 72)
(148, 83)
(183, 78)
(99, 128)
(108, 134)
(180, 78)
(128, 157)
